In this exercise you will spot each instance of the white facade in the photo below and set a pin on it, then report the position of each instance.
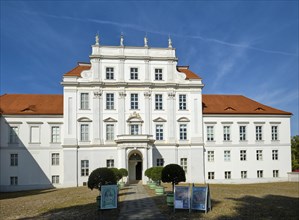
(115, 111)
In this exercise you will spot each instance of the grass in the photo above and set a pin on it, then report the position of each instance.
(250, 201)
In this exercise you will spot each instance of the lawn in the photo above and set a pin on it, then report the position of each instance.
(250, 201)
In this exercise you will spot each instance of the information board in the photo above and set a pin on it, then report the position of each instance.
(181, 197)
(199, 198)
(109, 196)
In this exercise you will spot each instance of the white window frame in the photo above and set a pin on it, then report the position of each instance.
(55, 179)
(110, 73)
(55, 159)
(227, 174)
(84, 132)
(39, 133)
(244, 174)
(14, 181)
(184, 164)
(134, 101)
(13, 134)
(110, 132)
(182, 102)
(243, 155)
(275, 173)
(211, 175)
(159, 132)
(134, 129)
(84, 101)
(160, 162)
(260, 173)
(110, 101)
(55, 134)
(259, 155)
(134, 73)
(14, 160)
(275, 155)
(210, 133)
(211, 156)
(158, 74)
(110, 163)
(242, 131)
(274, 133)
(158, 102)
(227, 155)
(84, 167)
(226, 133)
(183, 132)
(258, 132)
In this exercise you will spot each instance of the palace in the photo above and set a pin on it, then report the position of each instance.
(134, 108)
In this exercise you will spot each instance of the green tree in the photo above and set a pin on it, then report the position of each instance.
(123, 172)
(156, 174)
(295, 152)
(101, 176)
(173, 173)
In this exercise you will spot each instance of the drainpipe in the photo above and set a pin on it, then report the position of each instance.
(77, 164)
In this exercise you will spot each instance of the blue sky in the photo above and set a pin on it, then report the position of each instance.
(237, 47)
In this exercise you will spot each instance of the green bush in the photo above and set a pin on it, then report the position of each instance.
(117, 173)
(156, 174)
(173, 173)
(148, 173)
(123, 172)
(101, 176)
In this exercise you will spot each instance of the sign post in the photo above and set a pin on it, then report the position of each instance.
(109, 194)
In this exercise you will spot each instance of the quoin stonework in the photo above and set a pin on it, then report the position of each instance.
(134, 108)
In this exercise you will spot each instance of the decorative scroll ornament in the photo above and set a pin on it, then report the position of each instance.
(171, 95)
(122, 94)
(147, 94)
(98, 94)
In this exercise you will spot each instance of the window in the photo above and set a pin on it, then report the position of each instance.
(158, 102)
(275, 173)
(134, 129)
(109, 73)
(243, 155)
(227, 155)
(84, 167)
(84, 101)
(211, 156)
(110, 163)
(14, 160)
(211, 175)
(55, 179)
(183, 132)
(210, 133)
(55, 159)
(34, 134)
(84, 133)
(259, 174)
(159, 132)
(274, 154)
(274, 132)
(182, 102)
(13, 180)
(109, 101)
(243, 174)
(226, 133)
(242, 133)
(227, 174)
(184, 164)
(258, 133)
(158, 74)
(13, 134)
(134, 73)
(55, 134)
(160, 162)
(259, 155)
(134, 101)
(110, 132)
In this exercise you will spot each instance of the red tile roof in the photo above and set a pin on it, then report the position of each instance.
(236, 104)
(26, 104)
(189, 74)
(78, 69)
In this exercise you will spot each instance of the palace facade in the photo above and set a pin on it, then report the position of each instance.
(134, 108)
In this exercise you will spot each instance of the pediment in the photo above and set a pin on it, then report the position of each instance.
(135, 117)
(183, 119)
(159, 119)
(110, 120)
(84, 119)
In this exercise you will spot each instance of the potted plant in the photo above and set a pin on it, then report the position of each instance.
(156, 175)
(172, 173)
(124, 173)
(98, 178)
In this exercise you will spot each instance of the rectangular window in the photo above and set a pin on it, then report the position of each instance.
(275, 173)
(160, 162)
(158, 102)
(183, 132)
(211, 175)
(84, 133)
(134, 101)
(13, 135)
(182, 102)
(84, 104)
(109, 73)
(210, 133)
(134, 129)
(14, 160)
(55, 134)
(242, 133)
(134, 73)
(226, 133)
(274, 154)
(259, 174)
(110, 163)
(34, 134)
(227, 174)
(243, 155)
(109, 132)
(158, 74)
(109, 101)
(227, 155)
(55, 179)
(55, 159)
(13, 180)
(159, 132)
(184, 164)
(259, 155)
(84, 167)
(243, 174)
(258, 133)
(211, 156)
(274, 132)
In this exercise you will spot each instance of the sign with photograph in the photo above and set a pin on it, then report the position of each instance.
(109, 197)
(199, 198)
(181, 197)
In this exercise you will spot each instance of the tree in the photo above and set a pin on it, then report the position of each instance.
(295, 152)
(148, 173)
(117, 173)
(173, 173)
(101, 176)
(156, 174)
(123, 172)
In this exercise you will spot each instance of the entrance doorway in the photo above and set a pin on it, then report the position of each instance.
(135, 166)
